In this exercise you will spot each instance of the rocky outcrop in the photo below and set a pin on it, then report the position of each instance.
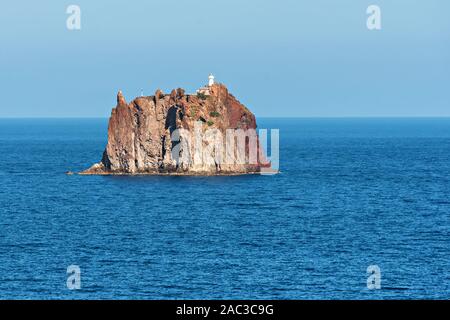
(179, 133)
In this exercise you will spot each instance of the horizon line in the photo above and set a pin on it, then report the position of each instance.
(259, 117)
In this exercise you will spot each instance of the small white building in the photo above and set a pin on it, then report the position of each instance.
(205, 90)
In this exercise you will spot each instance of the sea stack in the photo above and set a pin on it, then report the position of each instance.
(206, 133)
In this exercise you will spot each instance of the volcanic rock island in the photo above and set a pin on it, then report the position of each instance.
(206, 133)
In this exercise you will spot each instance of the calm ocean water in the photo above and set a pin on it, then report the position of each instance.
(352, 193)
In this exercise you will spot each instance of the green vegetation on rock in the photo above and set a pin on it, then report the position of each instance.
(201, 96)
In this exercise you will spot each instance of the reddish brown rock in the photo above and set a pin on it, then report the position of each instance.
(120, 99)
(140, 135)
(158, 95)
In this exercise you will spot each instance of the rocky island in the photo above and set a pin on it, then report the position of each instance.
(206, 133)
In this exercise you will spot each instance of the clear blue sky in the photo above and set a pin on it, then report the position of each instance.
(281, 58)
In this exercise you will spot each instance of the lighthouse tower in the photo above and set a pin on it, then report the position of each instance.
(205, 90)
(210, 80)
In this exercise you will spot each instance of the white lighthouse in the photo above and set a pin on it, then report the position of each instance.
(205, 90)
(210, 80)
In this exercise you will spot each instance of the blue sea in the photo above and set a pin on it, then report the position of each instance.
(351, 193)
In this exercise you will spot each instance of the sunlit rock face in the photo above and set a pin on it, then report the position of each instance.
(178, 133)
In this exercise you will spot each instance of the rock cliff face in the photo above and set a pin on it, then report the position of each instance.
(181, 134)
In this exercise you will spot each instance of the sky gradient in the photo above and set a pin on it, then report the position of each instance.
(284, 58)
